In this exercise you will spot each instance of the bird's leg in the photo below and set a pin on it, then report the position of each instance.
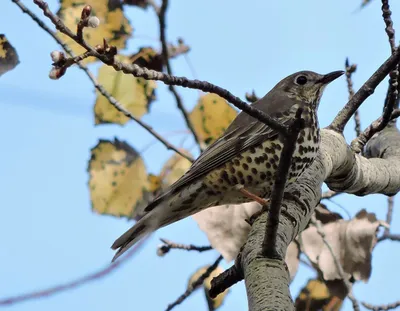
(252, 196)
(264, 203)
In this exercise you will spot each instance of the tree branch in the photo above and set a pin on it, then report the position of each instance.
(274, 211)
(148, 74)
(364, 92)
(97, 85)
(195, 284)
(350, 69)
(359, 142)
(381, 307)
(168, 245)
(161, 18)
(45, 293)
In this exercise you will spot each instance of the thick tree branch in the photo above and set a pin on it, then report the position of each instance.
(364, 92)
(342, 170)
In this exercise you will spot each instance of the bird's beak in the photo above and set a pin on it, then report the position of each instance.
(329, 77)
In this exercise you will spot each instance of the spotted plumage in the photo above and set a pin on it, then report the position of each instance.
(246, 154)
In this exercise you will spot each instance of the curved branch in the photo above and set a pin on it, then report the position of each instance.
(364, 92)
(73, 284)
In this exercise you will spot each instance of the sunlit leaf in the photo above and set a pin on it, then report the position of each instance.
(114, 26)
(214, 302)
(8, 55)
(118, 179)
(316, 296)
(211, 116)
(134, 94)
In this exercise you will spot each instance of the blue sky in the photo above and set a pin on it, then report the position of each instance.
(48, 232)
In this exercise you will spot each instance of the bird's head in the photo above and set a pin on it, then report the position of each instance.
(307, 86)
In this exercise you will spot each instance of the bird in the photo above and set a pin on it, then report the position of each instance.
(246, 155)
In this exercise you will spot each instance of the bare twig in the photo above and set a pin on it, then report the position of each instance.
(340, 121)
(390, 236)
(98, 86)
(359, 142)
(73, 284)
(381, 307)
(227, 278)
(387, 18)
(386, 234)
(147, 74)
(195, 284)
(161, 18)
(251, 97)
(389, 214)
(269, 242)
(168, 245)
(350, 69)
(339, 267)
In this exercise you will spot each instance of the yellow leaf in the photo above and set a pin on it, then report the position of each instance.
(114, 26)
(118, 179)
(134, 94)
(8, 55)
(173, 169)
(316, 296)
(211, 116)
(217, 301)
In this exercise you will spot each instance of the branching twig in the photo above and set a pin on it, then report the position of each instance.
(73, 284)
(381, 307)
(364, 92)
(161, 18)
(359, 142)
(390, 236)
(98, 86)
(350, 69)
(168, 245)
(195, 284)
(147, 74)
(338, 265)
(387, 18)
(269, 242)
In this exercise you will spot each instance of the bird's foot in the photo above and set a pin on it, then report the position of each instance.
(251, 195)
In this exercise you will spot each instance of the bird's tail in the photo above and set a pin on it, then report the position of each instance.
(167, 211)
(143, 227)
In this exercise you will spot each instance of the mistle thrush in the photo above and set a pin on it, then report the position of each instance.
(246, 154)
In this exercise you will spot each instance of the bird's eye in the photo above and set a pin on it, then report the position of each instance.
(301, 80)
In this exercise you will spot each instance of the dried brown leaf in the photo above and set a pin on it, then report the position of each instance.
(352, 243)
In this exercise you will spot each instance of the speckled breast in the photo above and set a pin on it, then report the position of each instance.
(256, 168)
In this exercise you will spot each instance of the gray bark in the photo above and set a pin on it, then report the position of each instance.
(267, 280)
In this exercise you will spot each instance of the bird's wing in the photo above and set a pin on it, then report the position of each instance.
(244, 133)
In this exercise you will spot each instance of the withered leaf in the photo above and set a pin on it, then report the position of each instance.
(8, 55)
